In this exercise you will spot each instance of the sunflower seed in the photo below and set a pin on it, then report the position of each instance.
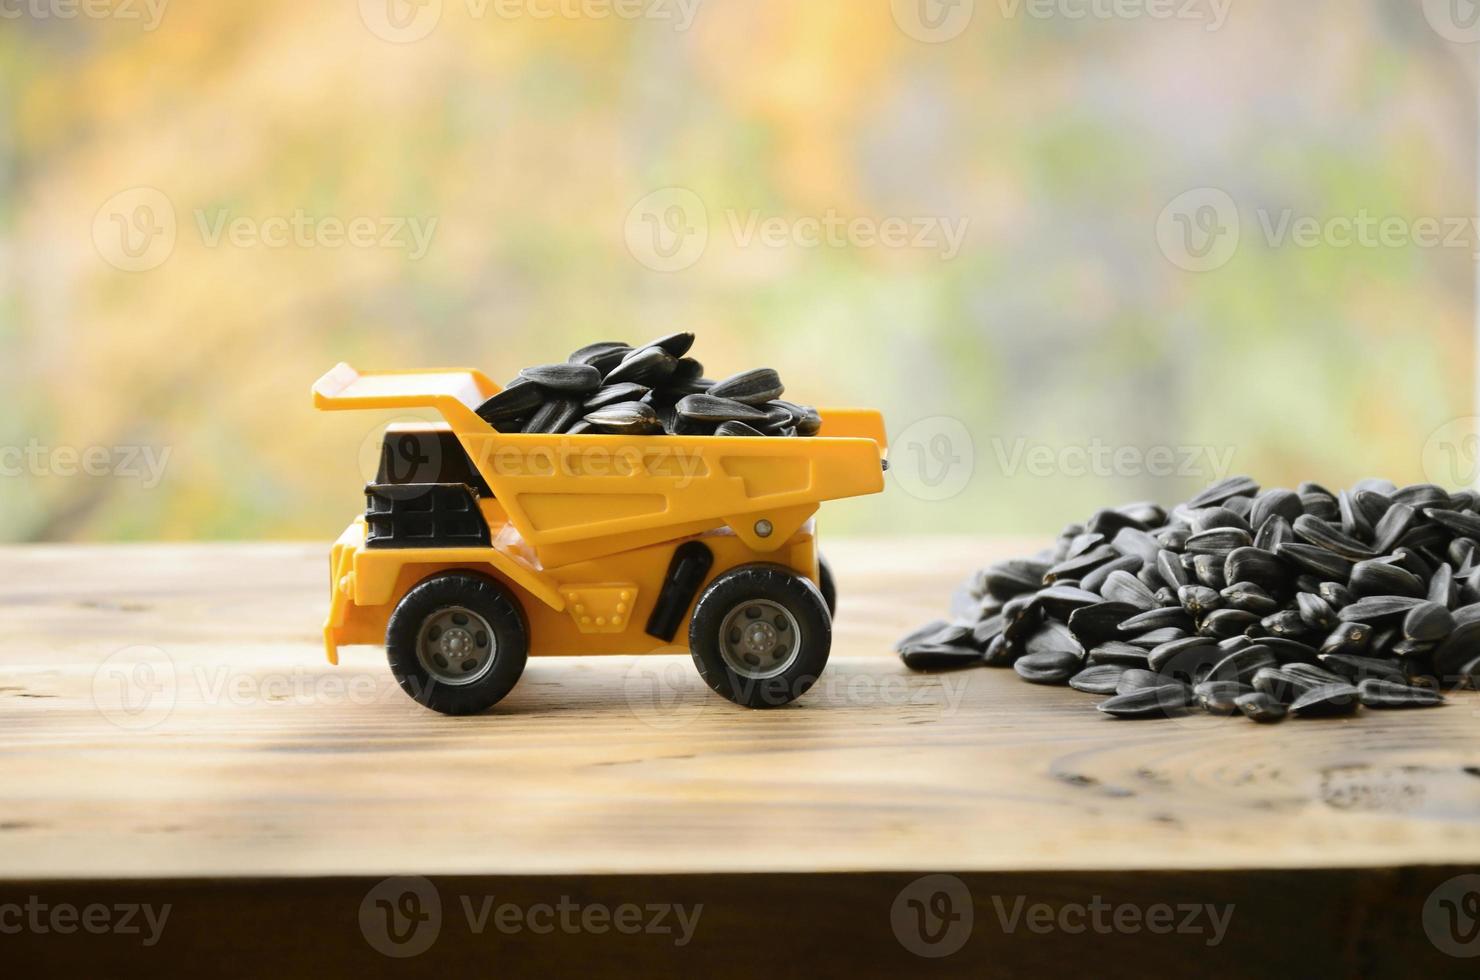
(1315, 531)
(1275, 503)
(1324, 563)
(625, 418)
(1377, 577)
(1222, 623)
(709, 408)
(1199, 599)
(754, 387)
(1385, 694)
(1326, 701)
(1337, 596)
(1392, 527)
(1315, 612)
(1095, 580)
(939, 657)
(1126, 588)
(1422, 495)
(1272, 533)
(1219, 697)
(512, 403)
(1061, 600)
(1155, 638)
(1219, 542)
(1348, 638)
(649, 366)
(1257, 566)
(1169, 564)
(1261, 707)
(1047, 667)
(1156, 702)
(1009, 578)
(1099, 679)
(575, 380)
(1375, 609)
(1099, 623)
(555, 416)
(1354, 668)
(1250, 598)
(1242, 665)
(603, 356)
(615, 394)
(736, 429)
(1428, 623)
(1116, 653)
(1234, 486)
(1156, 619)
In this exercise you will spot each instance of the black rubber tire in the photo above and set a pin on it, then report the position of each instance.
(827, 586)
(486, 597)
(791, 591)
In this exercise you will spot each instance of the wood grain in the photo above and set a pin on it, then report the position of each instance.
(270, 762)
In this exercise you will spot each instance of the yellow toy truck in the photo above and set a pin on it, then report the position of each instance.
(480, 547)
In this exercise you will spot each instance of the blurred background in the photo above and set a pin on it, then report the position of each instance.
(1079, 251)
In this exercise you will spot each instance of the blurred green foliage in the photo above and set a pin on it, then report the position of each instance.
(525, 145)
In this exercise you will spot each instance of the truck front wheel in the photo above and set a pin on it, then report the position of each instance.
(760, 635)
(457, 643)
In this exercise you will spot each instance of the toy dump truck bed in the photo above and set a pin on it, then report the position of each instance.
(573, 498)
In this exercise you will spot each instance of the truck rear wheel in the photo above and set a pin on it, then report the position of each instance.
(760, 635)
(827, 586)
(457, 643)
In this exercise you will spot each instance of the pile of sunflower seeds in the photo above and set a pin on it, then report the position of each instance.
(1274, 603)
(617, 389)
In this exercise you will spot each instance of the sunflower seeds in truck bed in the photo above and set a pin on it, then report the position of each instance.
(754, 387)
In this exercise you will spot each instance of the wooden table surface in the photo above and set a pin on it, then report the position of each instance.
(166, 715)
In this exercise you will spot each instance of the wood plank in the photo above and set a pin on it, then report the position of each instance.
(272, 763)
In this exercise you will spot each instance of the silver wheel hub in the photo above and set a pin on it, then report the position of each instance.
(759, 639)
(456, 646)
